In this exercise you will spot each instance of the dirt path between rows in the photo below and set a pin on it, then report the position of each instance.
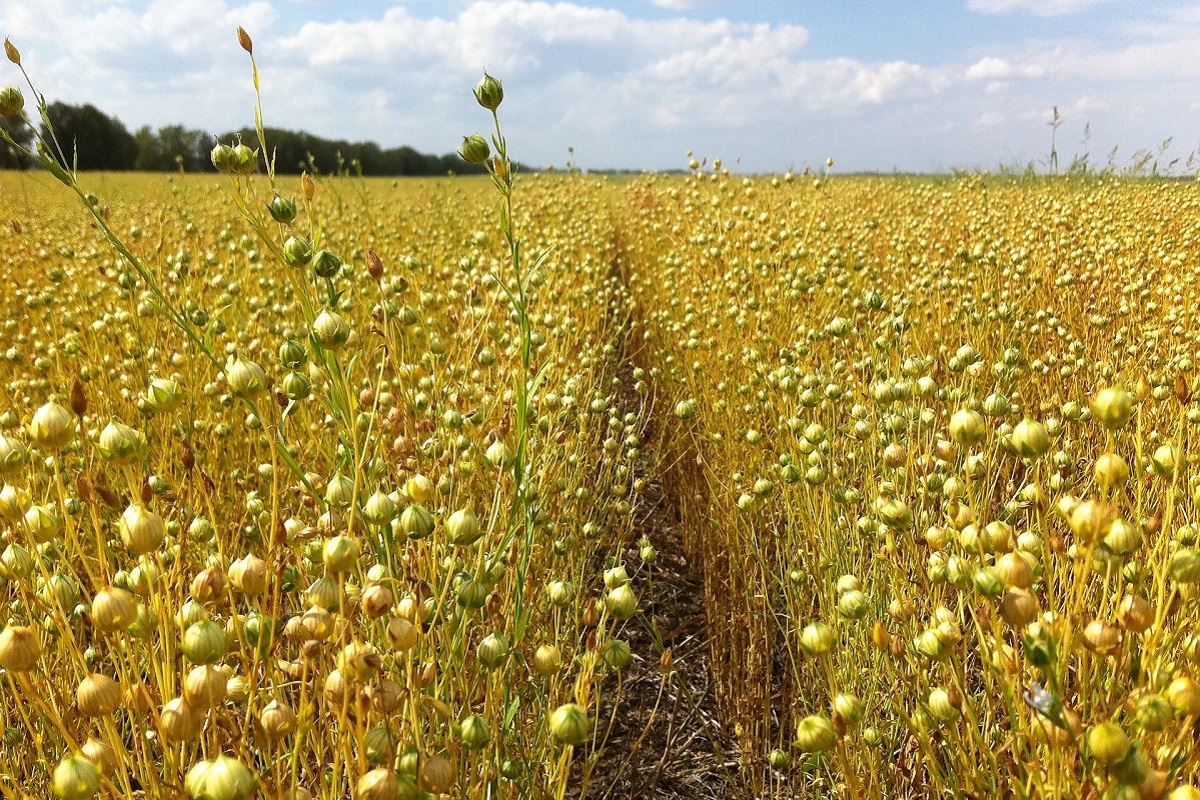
(667, 741)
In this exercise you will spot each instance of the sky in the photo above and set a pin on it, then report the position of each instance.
(636, 84)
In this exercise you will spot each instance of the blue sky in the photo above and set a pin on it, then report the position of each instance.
(766, 86)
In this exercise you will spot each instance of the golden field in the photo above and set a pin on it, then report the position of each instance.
(325, 488)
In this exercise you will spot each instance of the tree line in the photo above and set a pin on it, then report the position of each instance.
(102, 142)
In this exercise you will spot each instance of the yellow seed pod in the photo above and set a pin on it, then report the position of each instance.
(1111, 471)
(1090, 521)
(1108, 743)
(277, 720)
(1184, 696)
(19, 648)
(1015, 570)
(205, 687)
(547, 661)
(98, 696)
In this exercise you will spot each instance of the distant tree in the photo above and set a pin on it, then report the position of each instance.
(162, 151)
(297, 150)
(22, 134)
(97, 140)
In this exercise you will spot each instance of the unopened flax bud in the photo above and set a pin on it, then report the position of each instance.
(11, 101)
(474, 149)
(490, 92)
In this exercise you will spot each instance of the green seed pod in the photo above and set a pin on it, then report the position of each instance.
(489, 92)
(942, 708)
(14, 502)
(220, 778)
(297, 386)
(245, 378)
(500, 455)
(16, 562)
(817, 639)
(1184, 565)
(58, 591)
(560, 593)
(616, 576)
(52, 427)
(492, 650)
(967, 427)
(1132, 769)
(685, 409)
(896, 514)
(475, 733)
(340, 554)
(462, 528)
(1030, 439)
(380, 509)
(1111, 471)
(76, 778)
(379, 744)
(779, 759)
(297, 251)
(473, 594)
(41, 523)
(13, 454)
(282, 209)
(201, 530)
(292, 354)
(763, 487)
(849, 708)
(164, 395)
(121, 444)
(474, 149)
(340, 491)
(11, 101)
(330, 330)
(416, 522)
(204, 643)
(245, 159)
(1153, 713)
(988, 583)
(617, 653)
(853, 605)
(930, 645)
(1166, 461)
(1123, 537)
(569, 725)
(223, 158)
(815, 734)
(621, 602)
(326, 265)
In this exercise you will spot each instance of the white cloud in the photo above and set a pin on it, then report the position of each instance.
(601, 70)
(687, 5)
(991, 68)
(1040, 8)
(623, 90)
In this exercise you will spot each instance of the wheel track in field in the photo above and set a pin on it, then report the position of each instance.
(666, 740)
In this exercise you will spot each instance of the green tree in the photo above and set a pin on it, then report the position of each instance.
(162, 151)
(97, 140)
